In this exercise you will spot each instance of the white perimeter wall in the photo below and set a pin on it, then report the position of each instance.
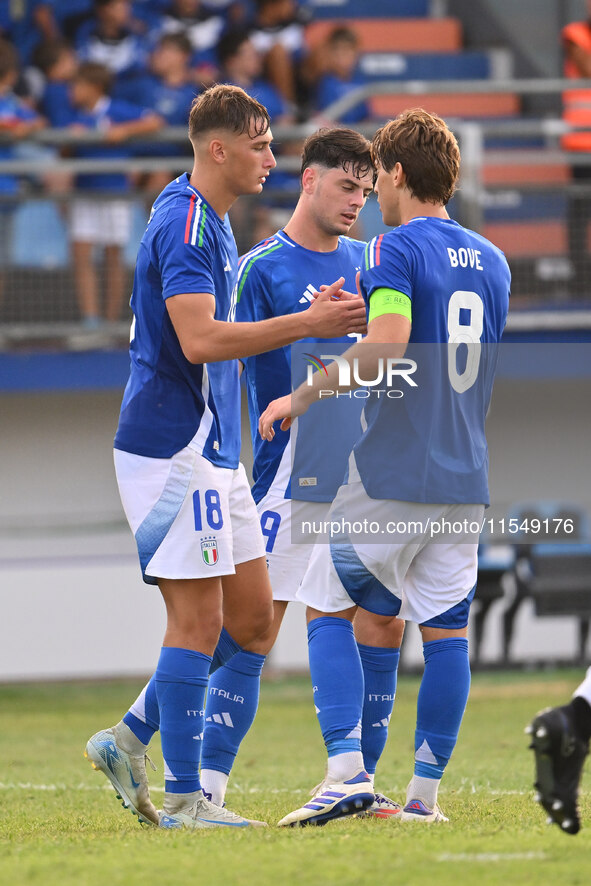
(72, 601)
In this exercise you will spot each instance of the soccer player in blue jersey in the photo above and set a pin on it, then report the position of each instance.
(280, 276)
(438, 297)
(177, 445)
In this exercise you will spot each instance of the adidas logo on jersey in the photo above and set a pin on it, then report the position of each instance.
(223, 719)
(308, 294)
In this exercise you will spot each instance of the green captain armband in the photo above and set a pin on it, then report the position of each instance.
(389, 301)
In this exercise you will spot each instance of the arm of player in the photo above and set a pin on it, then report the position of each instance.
(390, 332)
(204, 339)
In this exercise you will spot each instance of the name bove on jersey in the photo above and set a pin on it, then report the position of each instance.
(430, 444)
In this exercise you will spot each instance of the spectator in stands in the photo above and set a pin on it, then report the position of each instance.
(17, 122)
(167, 86)
(104, 222)
(58, 64)
(203, 29)
(339, 57)
(27, 23)
(114, 39)
(278, 33)
(242, 64)
(576, 39)
(168, 90)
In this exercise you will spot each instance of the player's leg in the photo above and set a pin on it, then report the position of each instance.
(441, 703)
(438, 589)
(194, 619)
(337, 680)
(378, 640)
(233, 692)
(227, 722)
(560, 741)
(158, 498)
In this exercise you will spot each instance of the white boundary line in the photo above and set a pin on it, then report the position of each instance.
(81, 786)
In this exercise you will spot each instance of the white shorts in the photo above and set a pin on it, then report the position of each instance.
(191, 519)
(287, 561)
(101, 222)
(418, 578)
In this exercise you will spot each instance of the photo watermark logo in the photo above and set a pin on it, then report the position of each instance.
(349, 381)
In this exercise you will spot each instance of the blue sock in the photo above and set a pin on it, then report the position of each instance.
(226, 648)
(380, 666)
(143, 717)
(337, 678)
(232, 702)
(181, 680)
(441, 704)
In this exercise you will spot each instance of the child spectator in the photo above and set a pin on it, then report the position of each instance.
(104, 222)
(242, 64)
(340, 58)
(278, 34)
(167, 87)
(203, 29)
(58, 64)
(112, 38)
(169, 91)
(17, 119)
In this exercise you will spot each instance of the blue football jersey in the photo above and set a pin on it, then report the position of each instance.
(170, 403)
(430, 445)
(279, 277)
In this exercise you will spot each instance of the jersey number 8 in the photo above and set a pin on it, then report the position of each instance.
(464, 333)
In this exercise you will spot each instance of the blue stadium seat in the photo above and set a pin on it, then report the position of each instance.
(514, 205)
(39, 236)
(425, 66)
(334, 9)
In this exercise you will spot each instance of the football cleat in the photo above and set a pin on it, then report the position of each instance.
(204, 814)
(417, 810)
(333, 801)
(126, 772)
(383, 807)
(559, 758)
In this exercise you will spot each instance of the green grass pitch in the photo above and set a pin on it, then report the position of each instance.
(60, 822)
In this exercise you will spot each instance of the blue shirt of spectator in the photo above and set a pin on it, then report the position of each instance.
(331, 88)
(12, 111)
(106, 111)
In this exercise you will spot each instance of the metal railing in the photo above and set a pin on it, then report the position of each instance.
(470, 205)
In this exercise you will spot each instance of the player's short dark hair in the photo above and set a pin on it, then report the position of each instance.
(225, 106)
(338, 148)
(179, 40)
(97, 74)
(426, 149)
(9, 58)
